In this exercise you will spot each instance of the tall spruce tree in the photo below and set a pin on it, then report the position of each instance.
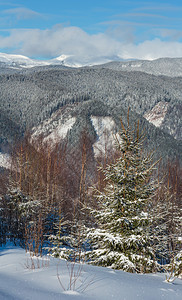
(120, 239)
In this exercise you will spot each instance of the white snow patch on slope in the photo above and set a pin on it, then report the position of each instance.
(105, 129)
(54, 128)
(5, 161)
(157, 114)
(136, 65)
(61, 130)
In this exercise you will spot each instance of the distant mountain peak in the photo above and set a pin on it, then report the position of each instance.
(21, 61)
(63, 57)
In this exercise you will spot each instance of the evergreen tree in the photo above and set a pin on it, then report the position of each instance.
(17, 212)
(68, 242)
(121, 239)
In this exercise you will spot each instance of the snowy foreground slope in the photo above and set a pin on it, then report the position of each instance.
(17, 281)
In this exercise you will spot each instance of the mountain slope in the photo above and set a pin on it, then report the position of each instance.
(30, 96)
(101, 122)
(171, 67)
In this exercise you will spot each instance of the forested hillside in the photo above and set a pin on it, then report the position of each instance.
(27, 97)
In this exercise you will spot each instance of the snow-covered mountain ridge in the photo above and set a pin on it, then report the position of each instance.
(171, 67)
(21, 61)
(162, 66)
(14, 60)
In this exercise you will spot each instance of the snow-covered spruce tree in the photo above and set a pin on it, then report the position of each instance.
(18, 212)
(120, 239)
(68, 243)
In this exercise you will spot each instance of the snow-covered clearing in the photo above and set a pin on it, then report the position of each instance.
(19, 281)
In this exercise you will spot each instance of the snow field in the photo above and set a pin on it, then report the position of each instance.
(22, 283)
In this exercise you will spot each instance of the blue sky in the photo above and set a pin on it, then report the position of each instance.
(91, 29)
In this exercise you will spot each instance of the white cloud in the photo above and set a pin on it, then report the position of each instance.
(83, 46)
(153, 49)
(21, 13)
(170, 34)
(59, 40)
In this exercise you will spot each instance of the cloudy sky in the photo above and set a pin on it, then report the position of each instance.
(91, 29)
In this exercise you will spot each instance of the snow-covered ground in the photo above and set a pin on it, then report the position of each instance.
(105, 129)
(5, 161)
(157, 114)
(19, 281)
(56, 128)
